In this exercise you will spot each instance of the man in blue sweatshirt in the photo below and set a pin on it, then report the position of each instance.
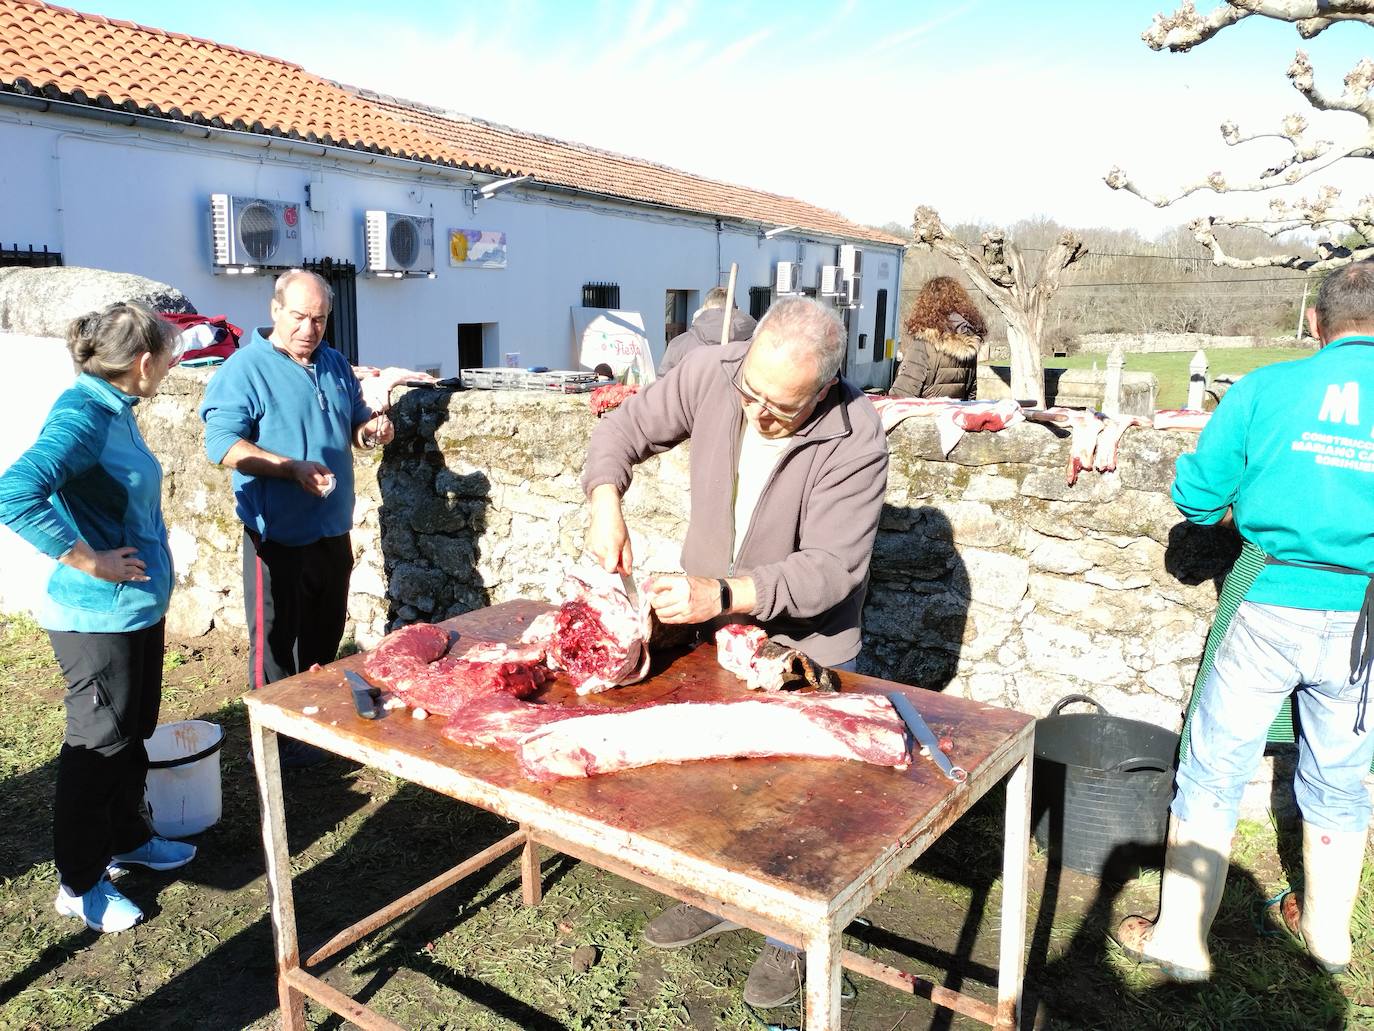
(284, 413)
(1288, 456)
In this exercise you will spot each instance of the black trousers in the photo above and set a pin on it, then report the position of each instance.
(296, 601)
(114, 688)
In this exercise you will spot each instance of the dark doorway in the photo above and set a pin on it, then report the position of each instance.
(342, 328)
(470, 351)
(880, 327)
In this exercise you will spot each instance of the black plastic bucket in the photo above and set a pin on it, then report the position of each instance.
(1100, 801)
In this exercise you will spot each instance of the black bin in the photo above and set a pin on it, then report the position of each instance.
(1102, 787)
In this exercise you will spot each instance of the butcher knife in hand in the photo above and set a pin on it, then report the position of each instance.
(921, 731)
(631, 589)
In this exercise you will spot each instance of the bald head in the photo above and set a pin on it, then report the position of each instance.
(806, 332)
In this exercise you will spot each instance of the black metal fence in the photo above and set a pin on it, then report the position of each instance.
(342, 329)
(21, 257)
(601, 295)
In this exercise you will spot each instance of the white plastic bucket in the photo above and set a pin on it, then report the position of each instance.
(182, 790)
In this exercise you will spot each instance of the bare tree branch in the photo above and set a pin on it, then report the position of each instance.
(1185, 28)
(1329, 255)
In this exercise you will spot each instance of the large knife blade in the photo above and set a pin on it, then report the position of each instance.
(920, 730)
(631, 589)
(365, 696)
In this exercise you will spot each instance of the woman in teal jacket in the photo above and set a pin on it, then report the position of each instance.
(88, 493)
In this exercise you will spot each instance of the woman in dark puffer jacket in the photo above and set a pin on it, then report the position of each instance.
(944, 333)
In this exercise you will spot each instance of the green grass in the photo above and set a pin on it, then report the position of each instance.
(1171, 367)
(476, 958)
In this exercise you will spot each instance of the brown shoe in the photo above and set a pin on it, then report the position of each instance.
(775, 978)
(684, 924)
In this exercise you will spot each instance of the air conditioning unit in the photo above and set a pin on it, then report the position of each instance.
(850, 297)
(851, 260)
(832, 283)
(398, 245)
(248, 233)
(788, 278)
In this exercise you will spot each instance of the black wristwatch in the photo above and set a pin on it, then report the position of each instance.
(726, 599)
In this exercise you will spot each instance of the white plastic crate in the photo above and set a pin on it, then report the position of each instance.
(558, 381)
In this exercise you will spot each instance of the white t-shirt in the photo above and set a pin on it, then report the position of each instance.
(758, 455)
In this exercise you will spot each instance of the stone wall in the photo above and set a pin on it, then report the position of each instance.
(991, 576)
(1149, 343)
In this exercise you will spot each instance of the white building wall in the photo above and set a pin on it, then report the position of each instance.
(136, 200)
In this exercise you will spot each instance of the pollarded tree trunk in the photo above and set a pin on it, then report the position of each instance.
(1027, 368)
(999, 273)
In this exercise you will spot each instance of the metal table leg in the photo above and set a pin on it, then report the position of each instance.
(1015, 862)
(268, 767)
(823, 954)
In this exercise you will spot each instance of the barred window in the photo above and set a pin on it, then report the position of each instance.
(760, 297)
(601, 295)
(20, 257)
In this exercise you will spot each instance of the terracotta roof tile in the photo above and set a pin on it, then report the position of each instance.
(91, 59)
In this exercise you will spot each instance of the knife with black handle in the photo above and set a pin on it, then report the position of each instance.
(365, 696)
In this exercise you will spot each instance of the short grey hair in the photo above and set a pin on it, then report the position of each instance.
(809, 328)
(715, 298)
(1346, 299)
(291, 275)
(108, 343)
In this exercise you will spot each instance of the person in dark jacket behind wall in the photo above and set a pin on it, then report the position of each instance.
(88, 493)
(705, 329)
(944, 333)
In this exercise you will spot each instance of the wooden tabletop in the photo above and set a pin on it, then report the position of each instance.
(810, 827)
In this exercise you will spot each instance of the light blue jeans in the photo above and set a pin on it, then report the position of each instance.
(1268, 652)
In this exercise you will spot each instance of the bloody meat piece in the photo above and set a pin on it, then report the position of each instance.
(597, 636)
(410, 663)
(610, 397)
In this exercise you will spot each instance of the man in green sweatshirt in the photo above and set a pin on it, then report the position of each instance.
(1289, 458)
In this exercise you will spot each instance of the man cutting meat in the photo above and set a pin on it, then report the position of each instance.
(788, 471)
(283, 413)
(1288, 455)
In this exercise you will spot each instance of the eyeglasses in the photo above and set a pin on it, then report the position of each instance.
(783, 415)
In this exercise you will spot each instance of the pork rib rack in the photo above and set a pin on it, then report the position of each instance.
(864, 728)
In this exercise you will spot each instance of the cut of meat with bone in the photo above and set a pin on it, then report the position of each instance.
(1104, 453)
(598, 637)
(410, 663)
(747, 652)
(864, 728)
(736, 646)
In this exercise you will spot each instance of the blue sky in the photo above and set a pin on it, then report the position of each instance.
(986, 109)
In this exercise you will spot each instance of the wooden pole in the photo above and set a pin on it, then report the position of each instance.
(729, 304)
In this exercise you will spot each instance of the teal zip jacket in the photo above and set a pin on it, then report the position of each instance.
(264, 397)
(89, 476)
(1291, 450)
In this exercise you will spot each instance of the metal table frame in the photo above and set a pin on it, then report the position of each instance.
(792, 918)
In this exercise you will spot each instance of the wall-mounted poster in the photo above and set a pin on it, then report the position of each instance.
(476, 248)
